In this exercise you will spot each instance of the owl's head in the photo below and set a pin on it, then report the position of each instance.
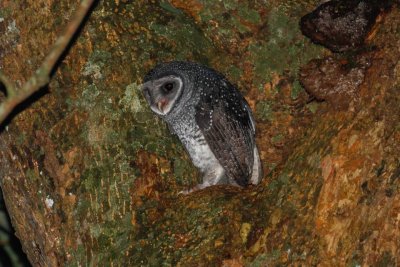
(169, 85)
(162, 93)
(164, 86)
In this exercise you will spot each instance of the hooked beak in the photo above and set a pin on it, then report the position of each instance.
(162, 104)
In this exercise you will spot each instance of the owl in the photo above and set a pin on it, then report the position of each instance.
(211, 119)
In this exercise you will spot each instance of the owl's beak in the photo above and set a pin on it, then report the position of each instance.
(162, 104)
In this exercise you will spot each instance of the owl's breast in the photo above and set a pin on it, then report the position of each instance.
(196, 145)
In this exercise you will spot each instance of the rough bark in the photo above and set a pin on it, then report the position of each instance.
(91, 177)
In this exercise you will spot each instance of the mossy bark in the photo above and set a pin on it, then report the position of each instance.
(91, 177)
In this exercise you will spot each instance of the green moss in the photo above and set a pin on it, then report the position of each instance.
(264, 110)
(88, 97)
(313, 107)
(277, 138)
(285, 49)
(130, 101)
(168, 7)
(296, 90)
(231, 5)
(235, 73)
(184, 38)
(387, 259)
(284, 178)
(21, 138)
(264, 259)
(249, 14)
(101, 57)
(238, 26)
(31, 174)
(354, 263)
(5, 12)
(181, 168)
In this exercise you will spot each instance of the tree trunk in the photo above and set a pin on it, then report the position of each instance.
(91, 177)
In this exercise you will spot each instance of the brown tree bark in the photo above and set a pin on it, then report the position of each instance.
(91, 177)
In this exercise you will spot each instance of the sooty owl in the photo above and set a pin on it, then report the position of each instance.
(210, 117)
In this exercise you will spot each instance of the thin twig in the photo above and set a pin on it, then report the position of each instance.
(42, 75)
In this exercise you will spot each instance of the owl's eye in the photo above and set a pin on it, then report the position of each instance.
(167, 87)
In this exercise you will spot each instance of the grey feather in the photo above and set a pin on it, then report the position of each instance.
(211, 118)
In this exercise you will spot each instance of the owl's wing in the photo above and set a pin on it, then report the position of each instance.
(228, 127)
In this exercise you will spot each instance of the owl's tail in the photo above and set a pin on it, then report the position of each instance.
(257, 168)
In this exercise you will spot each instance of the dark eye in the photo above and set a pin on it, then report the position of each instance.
(167, 87)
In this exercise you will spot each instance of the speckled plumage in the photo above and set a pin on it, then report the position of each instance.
(210, 117)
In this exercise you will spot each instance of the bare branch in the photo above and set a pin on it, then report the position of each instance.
(42, 75)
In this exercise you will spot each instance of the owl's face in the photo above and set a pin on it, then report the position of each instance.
(162, 93)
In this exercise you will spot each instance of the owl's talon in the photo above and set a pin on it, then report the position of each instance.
(184, 192)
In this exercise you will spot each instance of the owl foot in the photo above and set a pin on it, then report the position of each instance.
(196, 188)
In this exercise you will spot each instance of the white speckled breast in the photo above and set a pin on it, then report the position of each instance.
(193, 140)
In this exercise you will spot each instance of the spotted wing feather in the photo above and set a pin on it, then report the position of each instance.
(225, 120)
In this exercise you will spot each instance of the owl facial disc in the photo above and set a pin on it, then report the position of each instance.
(161, 94)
